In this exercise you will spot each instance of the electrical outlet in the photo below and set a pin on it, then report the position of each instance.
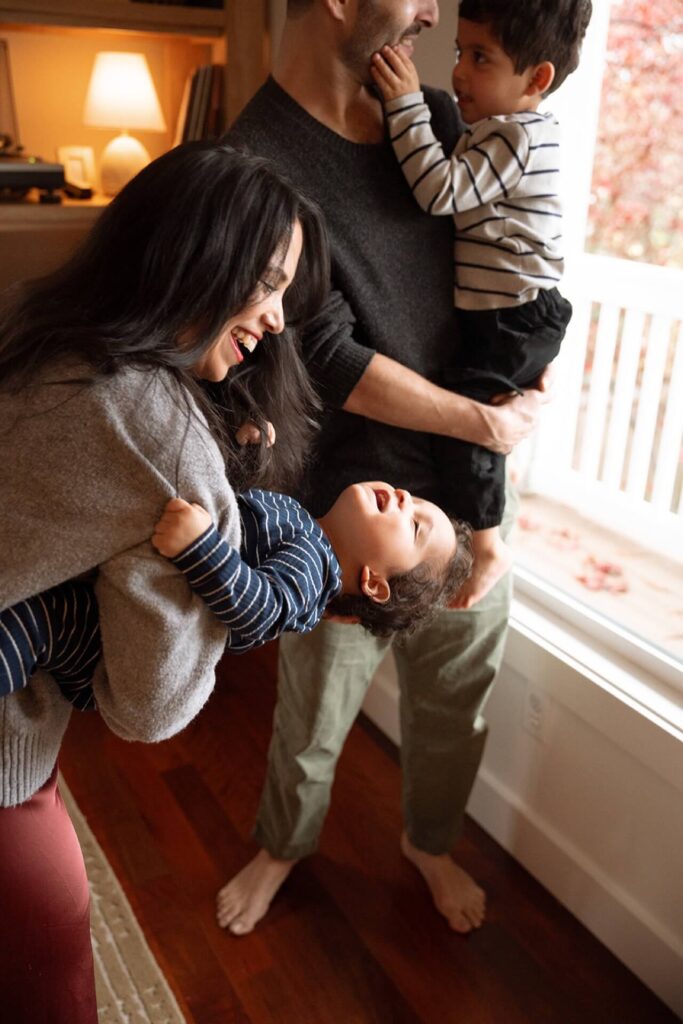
(536, 714)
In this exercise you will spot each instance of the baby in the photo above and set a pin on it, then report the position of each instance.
(379, 555)
(500, 185)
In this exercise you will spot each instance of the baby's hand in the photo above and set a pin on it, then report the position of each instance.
(394, 73)
(179, 526)
(249, 433)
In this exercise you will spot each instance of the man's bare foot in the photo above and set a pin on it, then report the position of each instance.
(245, 899)
(455, 893)
(492, 559)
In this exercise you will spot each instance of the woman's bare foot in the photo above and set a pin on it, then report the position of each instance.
(245, 899)
(456, 895)
(492, 559)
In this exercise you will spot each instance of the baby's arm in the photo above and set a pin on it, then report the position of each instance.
(480, 171)
(290, 589)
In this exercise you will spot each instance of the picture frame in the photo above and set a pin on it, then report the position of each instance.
(79, 165)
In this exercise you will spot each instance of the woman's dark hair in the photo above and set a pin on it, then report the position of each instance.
(535, 30)
(415, 595)
(178, 252)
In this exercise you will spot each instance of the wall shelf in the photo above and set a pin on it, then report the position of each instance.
(52, 46)
(116, 14)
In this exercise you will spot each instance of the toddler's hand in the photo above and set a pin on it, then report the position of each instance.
(179, 526)
(249, 433)
(394, 73)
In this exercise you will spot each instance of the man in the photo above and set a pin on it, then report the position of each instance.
(387, 331)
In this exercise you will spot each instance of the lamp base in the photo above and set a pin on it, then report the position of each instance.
(121, 160)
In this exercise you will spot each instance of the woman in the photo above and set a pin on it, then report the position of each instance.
(103, 420)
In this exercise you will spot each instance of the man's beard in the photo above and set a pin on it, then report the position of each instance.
(374, 29)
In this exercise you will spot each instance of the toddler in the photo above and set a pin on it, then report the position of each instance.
(378, 555)
(500, 186)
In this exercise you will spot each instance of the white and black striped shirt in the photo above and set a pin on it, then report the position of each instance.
(500, 185)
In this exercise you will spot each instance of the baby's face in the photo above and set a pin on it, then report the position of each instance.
(484, 78)
(391, 531)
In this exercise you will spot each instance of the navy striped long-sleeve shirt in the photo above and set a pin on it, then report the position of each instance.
(500, 185)
(280, 581)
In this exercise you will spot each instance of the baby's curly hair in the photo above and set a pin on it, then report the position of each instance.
(535, 30)
(415, 595)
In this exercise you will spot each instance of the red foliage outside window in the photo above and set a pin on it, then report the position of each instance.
(637, 190)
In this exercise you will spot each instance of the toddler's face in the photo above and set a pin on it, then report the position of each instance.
(484, 78)
(391, 531)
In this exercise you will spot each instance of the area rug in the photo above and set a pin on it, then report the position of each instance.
(130, 986)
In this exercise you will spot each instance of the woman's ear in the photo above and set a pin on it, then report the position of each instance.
(541, 79)
(374, 586)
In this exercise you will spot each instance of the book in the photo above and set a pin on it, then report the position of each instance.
(202, 111)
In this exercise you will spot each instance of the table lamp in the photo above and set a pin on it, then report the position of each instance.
(121, 94)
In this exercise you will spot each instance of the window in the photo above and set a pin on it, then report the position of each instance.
(602, 483)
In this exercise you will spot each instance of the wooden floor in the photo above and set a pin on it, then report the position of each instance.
(352, 938)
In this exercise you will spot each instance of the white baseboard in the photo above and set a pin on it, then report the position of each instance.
(619, 922)
(654, 954)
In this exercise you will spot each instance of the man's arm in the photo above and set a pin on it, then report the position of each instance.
(391, 393)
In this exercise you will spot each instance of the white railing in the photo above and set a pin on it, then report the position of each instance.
(610, 443)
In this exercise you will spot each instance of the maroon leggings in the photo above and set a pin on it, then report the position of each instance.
(46, 962)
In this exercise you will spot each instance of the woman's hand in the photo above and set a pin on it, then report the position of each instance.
(249, 433)
(394, 73)
(179, 526)
(512, 418)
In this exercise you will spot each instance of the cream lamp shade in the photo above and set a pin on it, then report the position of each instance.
(121, 94)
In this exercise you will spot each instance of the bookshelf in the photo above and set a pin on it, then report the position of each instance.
(52, 45)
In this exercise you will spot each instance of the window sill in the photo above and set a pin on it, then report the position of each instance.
(639, 676)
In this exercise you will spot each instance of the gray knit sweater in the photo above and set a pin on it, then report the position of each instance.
(392, 274)
(85, 471)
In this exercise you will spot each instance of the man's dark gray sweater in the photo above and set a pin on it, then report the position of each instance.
(392, 275)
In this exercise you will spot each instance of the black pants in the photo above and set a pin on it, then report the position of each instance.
(500, 350)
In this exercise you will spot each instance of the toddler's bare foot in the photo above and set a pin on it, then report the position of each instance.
(492, 559)
(455, 893)
(245, 899)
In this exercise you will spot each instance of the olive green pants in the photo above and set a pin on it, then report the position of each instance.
(445, 672)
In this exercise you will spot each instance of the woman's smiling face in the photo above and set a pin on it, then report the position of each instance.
(263, 313)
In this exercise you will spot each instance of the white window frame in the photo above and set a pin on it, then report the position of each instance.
(646, 678)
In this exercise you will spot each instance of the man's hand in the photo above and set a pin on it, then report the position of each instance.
(512, 418)
(394, 73)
